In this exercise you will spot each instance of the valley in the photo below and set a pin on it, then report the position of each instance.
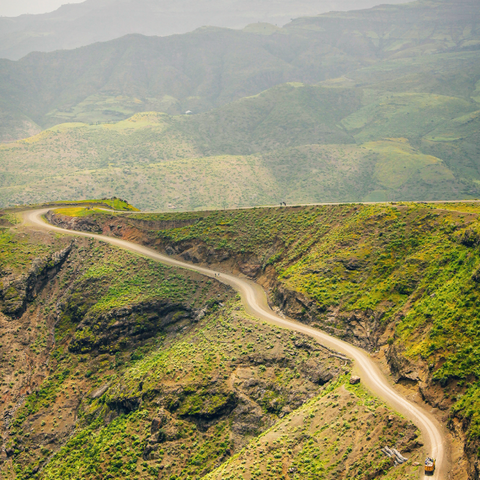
(291, 289)
(293, 143)
(333, 108)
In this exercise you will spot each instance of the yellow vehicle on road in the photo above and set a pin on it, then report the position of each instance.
(429, 466)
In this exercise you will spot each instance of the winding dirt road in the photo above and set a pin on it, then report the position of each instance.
(255, 302)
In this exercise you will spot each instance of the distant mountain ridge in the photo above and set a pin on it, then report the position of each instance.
(77, 25)
(382, 104)
(210, 67)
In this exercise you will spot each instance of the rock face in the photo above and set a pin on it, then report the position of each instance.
(363, 328)
(114, 227)
(98, 392)
(85, 224)
(114, 330)
(319, 374)
(354, 380)
(16, 292)
(400, 368)
(160, 421)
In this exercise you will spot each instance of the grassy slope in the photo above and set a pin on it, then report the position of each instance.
(15, 125)
(458, 143)
(302, 444)
(185, 374)
(404, 115)
(282, 145)
(413, 268)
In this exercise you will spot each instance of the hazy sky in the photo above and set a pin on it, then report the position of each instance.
(12, 8)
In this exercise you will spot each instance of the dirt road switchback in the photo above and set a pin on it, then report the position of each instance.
(255, 301)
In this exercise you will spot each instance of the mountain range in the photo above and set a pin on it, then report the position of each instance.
(211, 67)
(77, 25)
(122, 356)
(274, 112)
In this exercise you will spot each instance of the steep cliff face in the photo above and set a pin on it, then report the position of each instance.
(18, 291)
(397, 280)
(61, 309)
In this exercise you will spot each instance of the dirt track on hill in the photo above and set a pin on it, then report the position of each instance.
(255, 302)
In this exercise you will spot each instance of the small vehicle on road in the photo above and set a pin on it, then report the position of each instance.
(429, 466)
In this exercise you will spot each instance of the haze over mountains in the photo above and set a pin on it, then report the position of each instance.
(274, 112)
(115, 366)
(77, 25)
(211, 67)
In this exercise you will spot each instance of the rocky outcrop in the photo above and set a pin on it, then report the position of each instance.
(355, 380)
(84, 224)
(319, 374)
(114, 226)
(16, 292)
(400, 367)
(124, 327)
(363, 328)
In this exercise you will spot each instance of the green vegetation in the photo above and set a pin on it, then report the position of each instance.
(407, 272)
(188, 76)
(152, 369)
(113, 203)
(289, 115)
(77, 211)
(115, 283)
(17, 252)
(315, 440)
(179, 376)
(224, 159)
(405, 115)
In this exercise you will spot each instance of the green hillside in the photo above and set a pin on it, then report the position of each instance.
(452, 74)
(294, 143)
(458, 143)
(399, 280)
(119, 367)
(409, 115)
(287, 115)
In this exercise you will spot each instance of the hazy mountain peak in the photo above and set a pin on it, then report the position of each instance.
(81, 24)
